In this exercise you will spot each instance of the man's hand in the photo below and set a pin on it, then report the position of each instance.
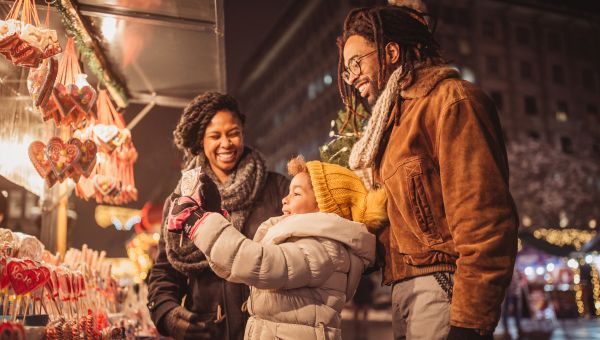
(183, 324)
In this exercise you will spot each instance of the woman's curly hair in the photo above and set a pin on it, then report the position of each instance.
(190, 130)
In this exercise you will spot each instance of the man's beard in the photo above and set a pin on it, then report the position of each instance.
(376, 92)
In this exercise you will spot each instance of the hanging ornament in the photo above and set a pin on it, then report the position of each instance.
(58, 160)
(72, 97)
(112, 180)
(22, 40)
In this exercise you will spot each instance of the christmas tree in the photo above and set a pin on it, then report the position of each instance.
(345, 131)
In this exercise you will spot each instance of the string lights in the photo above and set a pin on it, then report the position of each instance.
(596, 289)
(578, 291)
(565, 237)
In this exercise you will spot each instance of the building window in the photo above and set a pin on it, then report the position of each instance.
(566, 144)
(497, 98)
(533, 135)
(525, 70)
(523, 35)
(587, 77)
(530, 105)
(489, 29)
(558, 74)
(554, 42)
(492, 64)
(562, 111)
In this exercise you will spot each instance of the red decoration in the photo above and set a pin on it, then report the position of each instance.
(22, 41)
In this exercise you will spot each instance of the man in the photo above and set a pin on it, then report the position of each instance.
(435, 143)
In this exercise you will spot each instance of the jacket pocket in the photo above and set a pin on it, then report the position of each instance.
(415, 171)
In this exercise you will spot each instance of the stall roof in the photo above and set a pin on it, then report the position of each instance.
(166, 51)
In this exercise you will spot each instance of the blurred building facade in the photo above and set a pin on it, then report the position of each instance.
(536, 59)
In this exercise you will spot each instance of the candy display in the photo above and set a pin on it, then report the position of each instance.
(75, 296)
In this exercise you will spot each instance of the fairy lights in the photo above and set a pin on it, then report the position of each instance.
(596, 289)
(578, 291)
(565, 237)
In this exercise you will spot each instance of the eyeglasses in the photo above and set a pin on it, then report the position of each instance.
(354, 66)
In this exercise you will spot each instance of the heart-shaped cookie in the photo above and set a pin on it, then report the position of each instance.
(37, 155)
(105, 133)
(85, 188)
(64, 103)
(87, 160)
(61, 156)
(105, 185)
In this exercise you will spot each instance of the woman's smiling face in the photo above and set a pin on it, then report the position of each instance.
(223, 143)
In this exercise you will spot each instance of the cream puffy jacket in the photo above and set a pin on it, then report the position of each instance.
(301, 270)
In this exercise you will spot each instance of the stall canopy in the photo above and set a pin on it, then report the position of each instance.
(163, 52)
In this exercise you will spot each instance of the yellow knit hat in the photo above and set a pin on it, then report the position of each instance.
(338, 190)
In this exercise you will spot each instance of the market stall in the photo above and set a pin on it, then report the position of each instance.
(69, 72)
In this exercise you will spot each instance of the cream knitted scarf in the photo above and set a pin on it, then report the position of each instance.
(366, 148)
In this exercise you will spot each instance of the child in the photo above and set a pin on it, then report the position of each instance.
(301, 267)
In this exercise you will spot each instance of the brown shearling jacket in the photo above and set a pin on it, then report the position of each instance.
(446, 175)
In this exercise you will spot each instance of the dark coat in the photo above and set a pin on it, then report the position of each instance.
(206, 293)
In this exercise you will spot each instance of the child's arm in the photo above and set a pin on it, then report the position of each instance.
(307, 262)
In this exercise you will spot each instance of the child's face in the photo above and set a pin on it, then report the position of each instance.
(301, 198)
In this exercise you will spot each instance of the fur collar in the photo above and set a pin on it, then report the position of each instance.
(426, 79)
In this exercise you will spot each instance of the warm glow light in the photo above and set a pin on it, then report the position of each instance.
(529, 271)
(550, 267)
(572, 263)
(15, 163)
(589, 259)
(109, 28)
(540, 270)
(592, 224)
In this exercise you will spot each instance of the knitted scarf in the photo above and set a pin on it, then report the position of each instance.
(365, 149)
(417, 83)
(238, 194)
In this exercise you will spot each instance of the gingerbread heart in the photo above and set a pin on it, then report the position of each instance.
(61, 156)
(105, 133)
(87, 161)
(37, 155)
(61, 97)
(85, 189)
(84, 97)
(105, 184)
(41, 80)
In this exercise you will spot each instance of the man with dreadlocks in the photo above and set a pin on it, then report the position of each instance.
(435, 143)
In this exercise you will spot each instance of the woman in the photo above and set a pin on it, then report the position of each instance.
(211, 135)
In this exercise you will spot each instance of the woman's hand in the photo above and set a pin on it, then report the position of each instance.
(183, 324)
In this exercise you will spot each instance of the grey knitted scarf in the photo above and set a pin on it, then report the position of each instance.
(238, 195)
(365, 149)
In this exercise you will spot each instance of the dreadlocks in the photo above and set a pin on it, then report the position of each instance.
(381, 25)
(196, 116)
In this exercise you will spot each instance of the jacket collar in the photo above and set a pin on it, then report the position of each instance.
(353, 235)
(426, 78)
